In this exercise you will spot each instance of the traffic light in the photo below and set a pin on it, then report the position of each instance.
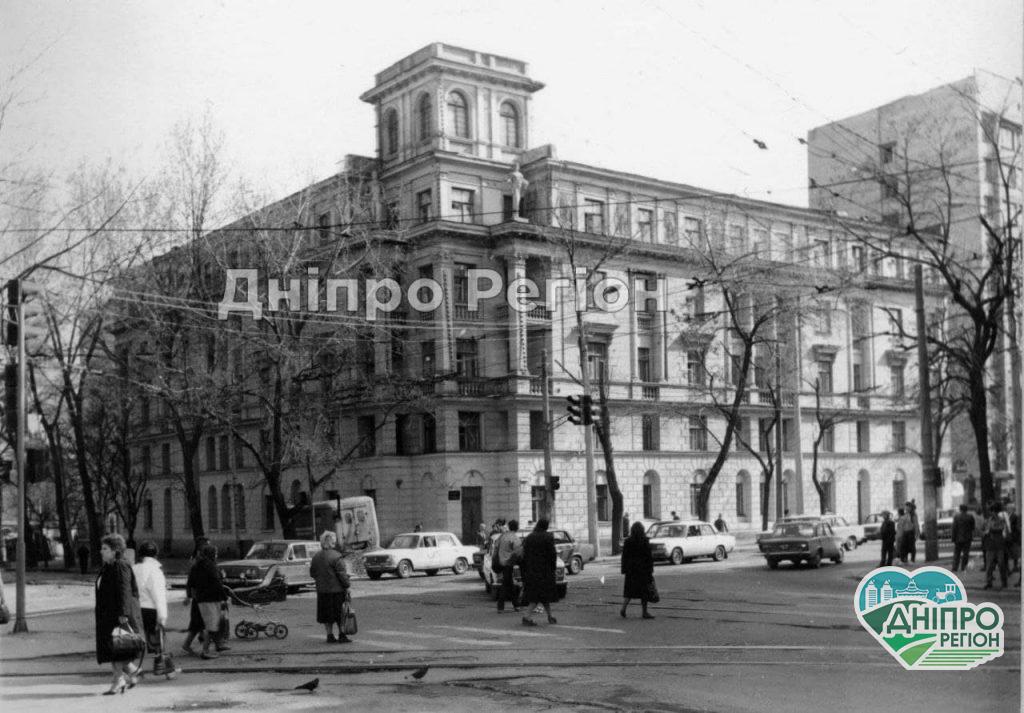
(18, 291)
(575, 410)
(593, 410)
(13, 298)
(555, 485)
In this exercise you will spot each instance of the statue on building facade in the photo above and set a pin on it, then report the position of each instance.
(519, 184)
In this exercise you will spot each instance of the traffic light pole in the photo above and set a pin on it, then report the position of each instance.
(929, 472)
(549, 491)
(588, 446)
(20, 626)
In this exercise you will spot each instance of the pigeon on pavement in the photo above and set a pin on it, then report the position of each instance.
(420, 672)
(309, 685)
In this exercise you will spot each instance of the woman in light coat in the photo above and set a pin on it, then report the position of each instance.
(149, 574)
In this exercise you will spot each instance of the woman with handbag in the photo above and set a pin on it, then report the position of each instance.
(205, 587)
(149, 575)
(118, 616)
(638, 566)
(332, 588)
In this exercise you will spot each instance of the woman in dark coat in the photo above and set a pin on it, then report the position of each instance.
(332, 587)
(117, 604)
(638, 566)
(540, 558)
(204, 586)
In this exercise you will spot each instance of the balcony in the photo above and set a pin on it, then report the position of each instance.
(645, 322)
(537, 314)
(462, 312)
(650, 392)
(485, 386)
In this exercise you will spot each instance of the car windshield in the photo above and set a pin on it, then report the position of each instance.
(404, 542)
(794, 529)
(267, 551)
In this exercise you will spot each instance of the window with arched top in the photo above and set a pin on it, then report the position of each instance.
(695, 486)
(828, 491)
(899, 489)
(391, 132)
(458, 115)
(239, 506)
(225, 506)
(510, 124)
(424, 108)
(743, 495)
(211, 506)
(652, 494)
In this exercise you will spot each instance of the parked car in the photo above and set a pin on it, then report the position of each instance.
(801, 540)
(492, 582)
(419, 551)
(680, 540)
(871, 525)
(573, 552)
(852, 534)
(288, 559)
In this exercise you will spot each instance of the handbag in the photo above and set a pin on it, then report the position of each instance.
(163, 664)
(349, 627)
(126, 644)
(224, 628)
(652, 593)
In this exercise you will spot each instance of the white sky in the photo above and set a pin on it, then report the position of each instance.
(668, 89)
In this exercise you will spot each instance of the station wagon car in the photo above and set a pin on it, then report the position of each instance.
(801, 541)
(679, 541)
(287, 559)
(419, 551)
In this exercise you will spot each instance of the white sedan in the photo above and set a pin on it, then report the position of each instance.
(678, 541)
(419, 551)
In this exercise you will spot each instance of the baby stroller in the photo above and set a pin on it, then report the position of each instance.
(256, 598)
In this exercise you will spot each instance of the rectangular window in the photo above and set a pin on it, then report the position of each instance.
(427, 358)
(825, 376)
(240, 451)
(466, 364)
(144, 412)
(692, 229)
(788, 440)
(147, 514)
(462, 205)
(742, 433)
(536, 500)
(892, 219)
(736, 235)
(765, 434)
(759, 243)
(671, 228)
(886, 153)
(863, 437)
(645, 224)
(460, 283)
(695, 367)
(899, 436)
(593, 216)
(366, 433)
(404, 443)
(858, 259)
(890, 187)
(603, 509)
(537, 430)
(896, 380)
(643, 364)
(651, 432)
(268, 512)
(224, 462)
(323, 227)
(424, 205)
(828, 439)
(165, 458)
(469, 432)
(211, 453)
(147, 465)
(597, 360)
(694, 499)
(741, 499)
(698, 426)
(821, 253)
(429, 441)
(823, 321)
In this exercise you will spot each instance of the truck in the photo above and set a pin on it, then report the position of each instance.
(353, 520)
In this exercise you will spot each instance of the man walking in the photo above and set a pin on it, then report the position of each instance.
(962, 534)
(904, 534)
(720, 524)
(539, 561)
(508, 553)
(887, 534)
(996, 531)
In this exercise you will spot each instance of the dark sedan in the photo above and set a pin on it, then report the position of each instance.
(801, 541)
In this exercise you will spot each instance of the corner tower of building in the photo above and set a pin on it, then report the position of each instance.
(446, 98)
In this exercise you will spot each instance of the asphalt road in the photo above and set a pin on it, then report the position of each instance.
(728, 636)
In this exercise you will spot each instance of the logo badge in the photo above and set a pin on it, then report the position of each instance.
(923, 619)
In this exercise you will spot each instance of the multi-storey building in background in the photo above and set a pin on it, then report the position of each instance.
(964, 137)
(451, 125)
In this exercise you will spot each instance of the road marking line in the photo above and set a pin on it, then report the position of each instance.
(391, 645)
(499, 632)
(591, 628)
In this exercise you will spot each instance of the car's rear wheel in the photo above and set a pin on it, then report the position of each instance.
(719, 554)
(575, 565)
(840, 556)
(676, 557)
(374, 575)
(461, 565)
(772, 562)
(404, 569)
(814, 561)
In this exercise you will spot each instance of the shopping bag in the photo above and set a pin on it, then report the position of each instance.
(349, 627)
(163, 664)
(126, 644)
(652, 593)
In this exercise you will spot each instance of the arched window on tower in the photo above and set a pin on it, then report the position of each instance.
(211, 506)
(391, 132)
(424, 110)
(458, 115)
(510, 125)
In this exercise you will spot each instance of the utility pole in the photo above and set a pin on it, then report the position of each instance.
(1017, 242)
(779, 509)
(588, 442)
(929, 473)
(549, 491)
(16, 304)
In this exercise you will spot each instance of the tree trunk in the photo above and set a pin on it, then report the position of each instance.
(189, 445)
(766, 499)
(603, 430)
(92, 514)
(814, 475)
(977, 411)
(730, 430)
(57, 463)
